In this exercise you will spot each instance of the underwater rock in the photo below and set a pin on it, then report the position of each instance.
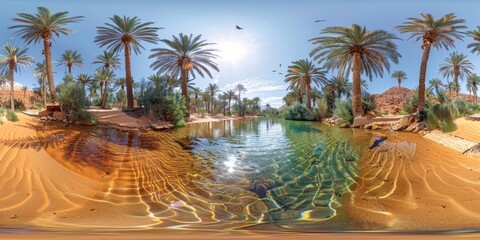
(259, 188)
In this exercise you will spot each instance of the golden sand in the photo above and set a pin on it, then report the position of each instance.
(418, 186)
(468, 129)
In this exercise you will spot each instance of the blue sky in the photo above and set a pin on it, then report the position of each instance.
(275, 32)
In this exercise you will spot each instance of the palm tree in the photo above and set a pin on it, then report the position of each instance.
(107, 61)
(399, 75)
(83, 79)
(458, 66)
(439, 33)
(355, 48)
(92, 88)
(157, 80)
(124, 34)
(41, 72)
(15, 57)
(302, 74)
(104, 77)
(256, 104)
(230, 95)
(474, 81)
(44, 26)
(185, 55)
(294, 96)
(340, 86)
(196, 92)
(120, 82)
(212, 89)
(69, 59)
(240, 88)
(436, 83)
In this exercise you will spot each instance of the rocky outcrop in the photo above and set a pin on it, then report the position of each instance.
(404, 123)
(161, 126)
(360, 121)
(392, 100)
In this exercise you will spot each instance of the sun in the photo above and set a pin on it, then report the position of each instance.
(233, 51)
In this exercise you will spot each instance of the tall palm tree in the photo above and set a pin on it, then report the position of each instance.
(354, 48)
(107, 61)
(399, 75)
(44, 26)
(124, 34)
(474, 81)
(439, 33)
(230, 95)
(212, 89)
(340, 86)
(240, 88)
(104, 77)
(41, 72)
(185, 55)
(458, 66)
(70, 59)
(303, 74)
(14, 58)
(294, 96)
(83, 79)
(196, 92)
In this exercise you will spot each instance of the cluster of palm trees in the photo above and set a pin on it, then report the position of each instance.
(184, 56)
(358, 51)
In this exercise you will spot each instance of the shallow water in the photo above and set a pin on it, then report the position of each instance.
(264, 174)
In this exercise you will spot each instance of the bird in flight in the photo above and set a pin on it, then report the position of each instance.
(321, 20)
(274, 70)
(280, 73)
(238, 28)
(280, 65)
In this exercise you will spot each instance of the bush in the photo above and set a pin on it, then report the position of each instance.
(164, 105)
(11, 115)
(368, 103)
(441, 116)
(299, 112)
(73, 101)
(322, 108)
(462, 108)
(343, 109)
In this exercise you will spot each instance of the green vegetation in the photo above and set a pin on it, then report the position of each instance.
(163, 105)
(299, 112)
(73, 102)
(343, 110)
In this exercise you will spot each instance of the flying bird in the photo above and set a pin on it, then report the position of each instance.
(280, 73)
(238, 28)
(274, 70)
(280, 65)
(320, 20)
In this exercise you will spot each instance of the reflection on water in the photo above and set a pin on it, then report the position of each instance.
(229, 173)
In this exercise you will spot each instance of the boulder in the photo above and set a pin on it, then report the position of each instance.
(371, 114)
(360, 121)
(344, 125)
(53, 107)
(60, 116)
(43, 113)
(403, 123)
(419, 126)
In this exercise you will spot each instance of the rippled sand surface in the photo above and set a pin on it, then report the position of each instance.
(316, 178)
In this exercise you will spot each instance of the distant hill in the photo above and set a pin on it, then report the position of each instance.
(392, 98)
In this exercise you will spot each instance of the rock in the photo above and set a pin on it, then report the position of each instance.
(403, 123)
(60, 116)
(161, 126)
(43, 118)
(371, 114)
(338, 121)
(419, 126)
(360, 121)
(50, 118)
(43, 113)
(368, 126)
(453, 142)
(53, 107)
(344, 125)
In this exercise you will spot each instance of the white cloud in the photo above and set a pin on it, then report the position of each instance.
(256, 84)
(273, 101)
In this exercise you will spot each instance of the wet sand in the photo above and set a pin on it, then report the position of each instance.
(419, 185)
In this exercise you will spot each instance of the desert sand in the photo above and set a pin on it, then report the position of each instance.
(408, 184)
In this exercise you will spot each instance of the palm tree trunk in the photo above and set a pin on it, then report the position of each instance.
(104, 97)
(12, 90)
(184, 86)
(69, 69)
(357, 108)
(48, 62)
(421, 81)
(44, 83)
(230, 105)
(455, 80)
(128, 76)
(309, 102)
(399, 81)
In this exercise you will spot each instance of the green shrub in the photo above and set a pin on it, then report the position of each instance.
(73, 102)
(368, 102)
(462, 108)
(321, 111)
(441, 116)
(164, 105)
(343, 109)
(411, 104)
(299, 112)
